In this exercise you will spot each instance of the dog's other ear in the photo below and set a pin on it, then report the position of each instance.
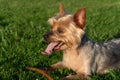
(61, 9)
(80, 18)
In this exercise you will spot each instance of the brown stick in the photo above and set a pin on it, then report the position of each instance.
(41, 72)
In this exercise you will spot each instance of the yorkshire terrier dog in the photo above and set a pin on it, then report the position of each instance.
(80, 53)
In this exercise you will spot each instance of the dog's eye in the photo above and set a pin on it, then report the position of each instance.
(60, 31)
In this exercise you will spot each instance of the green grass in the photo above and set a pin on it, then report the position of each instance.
(23, 23)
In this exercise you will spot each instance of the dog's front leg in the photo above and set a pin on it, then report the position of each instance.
(76, 76)
(55, 66)
(58, 65)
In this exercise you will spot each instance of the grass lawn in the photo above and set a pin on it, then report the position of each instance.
(23, 23)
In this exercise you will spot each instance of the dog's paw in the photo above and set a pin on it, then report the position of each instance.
(57, 65)
(65, 78)
(70, 77)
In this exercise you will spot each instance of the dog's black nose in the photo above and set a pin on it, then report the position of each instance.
(45, 36)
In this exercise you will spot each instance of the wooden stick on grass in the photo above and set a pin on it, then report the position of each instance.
(41, 72)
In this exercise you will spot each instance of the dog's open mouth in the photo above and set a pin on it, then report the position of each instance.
(52, 46)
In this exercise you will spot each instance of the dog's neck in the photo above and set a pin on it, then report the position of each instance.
(82, 42)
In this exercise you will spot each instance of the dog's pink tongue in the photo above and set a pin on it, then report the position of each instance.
(50, 48)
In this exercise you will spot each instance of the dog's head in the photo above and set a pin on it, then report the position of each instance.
(67, 30)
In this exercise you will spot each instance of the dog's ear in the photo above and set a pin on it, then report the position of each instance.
(80, 18)
(61, 9)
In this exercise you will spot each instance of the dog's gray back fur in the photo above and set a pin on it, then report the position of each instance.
(102, 55)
